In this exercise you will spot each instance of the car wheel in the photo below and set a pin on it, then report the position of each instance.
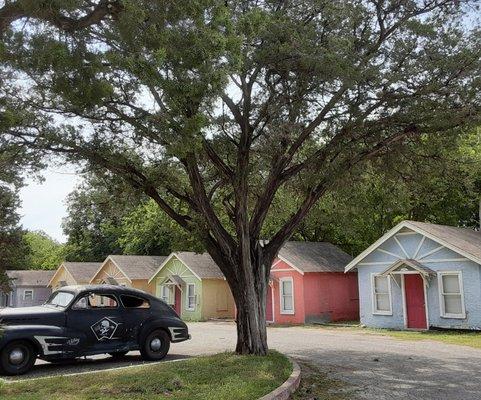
(155, 346)
(118, 354)
(17, 358)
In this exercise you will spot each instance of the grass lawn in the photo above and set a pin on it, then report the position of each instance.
(219, 377)
(463, 338)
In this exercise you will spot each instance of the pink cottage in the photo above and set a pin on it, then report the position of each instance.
(308, 284)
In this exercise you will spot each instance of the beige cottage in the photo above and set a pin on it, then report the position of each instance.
(130, 271)
(73, 273)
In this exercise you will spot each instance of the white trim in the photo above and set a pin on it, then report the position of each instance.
(290, 264)
(443, 260)
(443, 314)
(420, 244)
(375, 311)
(426, 305)
(272, 305)
(406, 233)
(431, 252)
(397, 228)
(281, 296)
(187, 297)
(388, 252)
(401, 246)
(376, 263)
(109, 258)
(283, 270)
(403, 292)
(25, 291)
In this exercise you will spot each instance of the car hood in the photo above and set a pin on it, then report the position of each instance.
(40, 315)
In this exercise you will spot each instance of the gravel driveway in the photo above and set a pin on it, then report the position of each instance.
(375, 367)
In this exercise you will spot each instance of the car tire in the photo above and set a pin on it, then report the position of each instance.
(17, 358)
(155, 346)
(118, 354)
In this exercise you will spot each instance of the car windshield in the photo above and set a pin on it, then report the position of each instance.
(60, 299)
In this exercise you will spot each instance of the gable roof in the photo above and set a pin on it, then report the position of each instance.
(415, 265)
(314, 256)
(201, 264)
(464, 241)
(30, 277)
(81, 271)
(135, 267)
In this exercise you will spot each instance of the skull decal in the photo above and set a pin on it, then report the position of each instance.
(104, 329)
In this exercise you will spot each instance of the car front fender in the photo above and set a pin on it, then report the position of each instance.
(50, 341)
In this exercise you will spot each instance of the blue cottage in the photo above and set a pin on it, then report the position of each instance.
(421, 275)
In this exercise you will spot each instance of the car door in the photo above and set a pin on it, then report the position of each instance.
(99, 320)
(136, 311)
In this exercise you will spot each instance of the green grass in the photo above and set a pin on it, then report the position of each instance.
(471, 339)
(463, 338)
(220, 377)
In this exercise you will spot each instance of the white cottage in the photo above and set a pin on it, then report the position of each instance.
(421, 275)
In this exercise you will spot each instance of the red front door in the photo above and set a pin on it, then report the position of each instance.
(177, 300)
(269, 309)
(415, 302)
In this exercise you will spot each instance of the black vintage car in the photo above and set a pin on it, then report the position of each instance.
(86, 320)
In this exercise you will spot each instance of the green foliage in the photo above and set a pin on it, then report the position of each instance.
(44, 252)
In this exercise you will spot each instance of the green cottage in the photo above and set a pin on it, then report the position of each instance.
(194, 286)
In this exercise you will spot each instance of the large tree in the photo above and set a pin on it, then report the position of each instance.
(205, 103)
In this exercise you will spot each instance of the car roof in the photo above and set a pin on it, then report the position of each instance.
(104, 289)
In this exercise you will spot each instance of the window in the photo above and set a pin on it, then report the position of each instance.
(165, 293)
(287, 295)
(60, 299)
(451, 295)
(381, 295)
(95, 301)
(134, 302)
(28, 295)
(191, 296)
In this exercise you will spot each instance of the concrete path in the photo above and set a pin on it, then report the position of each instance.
(374, 367)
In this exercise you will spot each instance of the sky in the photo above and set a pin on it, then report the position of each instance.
(43, 203)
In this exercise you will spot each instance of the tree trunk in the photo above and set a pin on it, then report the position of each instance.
(251, 317)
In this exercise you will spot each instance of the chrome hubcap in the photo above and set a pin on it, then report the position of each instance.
(155, 344)
(16, 356)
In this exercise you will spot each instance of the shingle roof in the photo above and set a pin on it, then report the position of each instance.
(30, 277)
(201, 264)
(464, 239)
(315, 256)
(138, 267)
(82, 272)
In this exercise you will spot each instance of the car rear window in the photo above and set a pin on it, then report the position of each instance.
(134, 302)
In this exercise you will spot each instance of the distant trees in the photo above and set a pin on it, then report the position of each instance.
(43, 251)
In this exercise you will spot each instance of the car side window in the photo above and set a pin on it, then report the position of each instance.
(134, 302)
(95, 301)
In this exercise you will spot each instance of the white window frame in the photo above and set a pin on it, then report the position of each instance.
(281, 296)
(187, 297)
(25, 293)
(441, 293)
(162, 294)
(375, 311)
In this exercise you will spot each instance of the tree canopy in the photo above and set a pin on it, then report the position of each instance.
(211, 103)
